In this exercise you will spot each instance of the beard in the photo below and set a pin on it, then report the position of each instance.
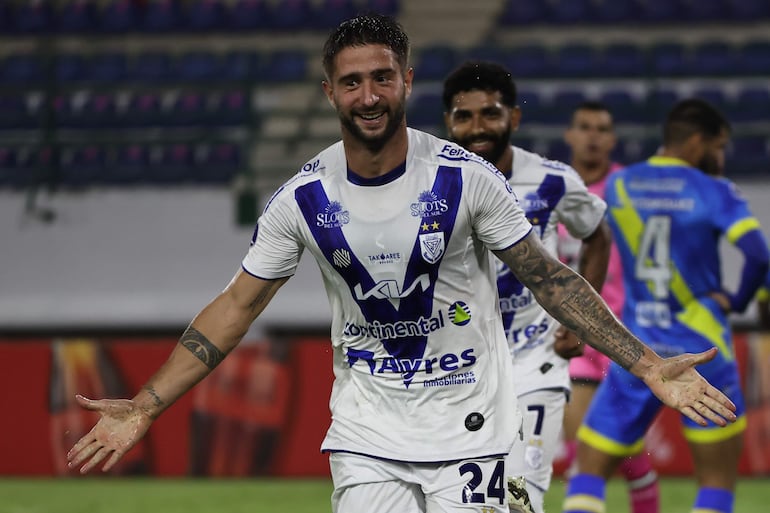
(499, 143)
(710, 166)
(374, 142)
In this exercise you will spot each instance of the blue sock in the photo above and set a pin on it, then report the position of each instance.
(712, 500)
(585, 494)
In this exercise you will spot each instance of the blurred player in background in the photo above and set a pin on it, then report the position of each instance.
(481, 114)
(402, 225)
(667, 215)
(591, 138)
(763, 304)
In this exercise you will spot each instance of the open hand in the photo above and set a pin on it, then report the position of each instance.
(121, 426)
(676, 382)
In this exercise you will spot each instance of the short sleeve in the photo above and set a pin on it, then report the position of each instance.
(579, 210)
(276, 246)
(498, 219)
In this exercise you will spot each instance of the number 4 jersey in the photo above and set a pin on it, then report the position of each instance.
(667, 219)
(422, 371)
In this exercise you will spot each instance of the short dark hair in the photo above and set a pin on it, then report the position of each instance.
(693, 116)
(366, 29)
(481, 76)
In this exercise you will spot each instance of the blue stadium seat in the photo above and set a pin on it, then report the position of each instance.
(622, 60)
(108, 68)
(119, 16)
(660, 11)
(425, 109)
(162, 16)
(144, 109)
(230, 108)
(99, 111)
(713, 58)
(563, 103)
(487, 52)
(206, 15)
(284, 65)
(81, 166)
(34, 17)
(198, 66)
(216, 163)
(16, 113)
(751, 104)
(436, 62)
(70, 68)
(170, 164)
(151, 66)
(292, 15)
(623, 106)
(748, 155)
(240, 65)
(248, 15)
(754, 58)
(525, 12)
(189, 109)
(131, 165)
(749, 10)
(22, 69)
(705, 10)
(668, 59)
(78, 16)
(577, 60)
(616, 11)
(714, 95)
(572, 12)
(532, 108)
(530, 61)
(329, 13)
(387, 7)
(658, 103)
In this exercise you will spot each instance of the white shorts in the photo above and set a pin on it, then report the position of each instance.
(362, 483)
(543, 412)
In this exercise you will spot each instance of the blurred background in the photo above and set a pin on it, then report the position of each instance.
(139, 140)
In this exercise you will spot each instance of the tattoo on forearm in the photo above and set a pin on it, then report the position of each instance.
(194, 341)
(264, 295)
(157, 401)
(569, 298)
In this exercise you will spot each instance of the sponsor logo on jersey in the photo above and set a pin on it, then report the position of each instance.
(455, 152)
(393, 330)
(459, 313)
(408, 368)
(312, 167)
(428, 205)
(528, 334)
(384, 258)
(333, 216)
(533, 202)
(514, 302)
(391, 289)
(341, 258)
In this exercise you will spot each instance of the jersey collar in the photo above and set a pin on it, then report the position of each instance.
(388, 177)
(667, 161)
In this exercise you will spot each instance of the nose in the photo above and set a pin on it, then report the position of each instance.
(477, 127)
(368, 97)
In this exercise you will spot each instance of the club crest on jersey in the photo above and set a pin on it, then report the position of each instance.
(341, 258)
(333, 216)
(428, 205)
(432, 246)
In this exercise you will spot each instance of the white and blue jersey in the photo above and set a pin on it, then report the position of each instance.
(551, 193)
(422, 370)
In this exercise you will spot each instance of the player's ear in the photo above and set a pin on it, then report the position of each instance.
(329, 92)
(408, 79)
(515, 118)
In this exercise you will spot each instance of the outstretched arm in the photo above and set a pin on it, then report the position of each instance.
(592, 265)
(213, 333)
(574, 303)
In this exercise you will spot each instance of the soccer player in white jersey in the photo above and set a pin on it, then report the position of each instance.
(481, 114)
(402, 225)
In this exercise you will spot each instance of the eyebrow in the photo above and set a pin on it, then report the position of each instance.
(373, 73)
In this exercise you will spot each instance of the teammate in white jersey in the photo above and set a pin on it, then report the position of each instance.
(402, 225)
(481, 114)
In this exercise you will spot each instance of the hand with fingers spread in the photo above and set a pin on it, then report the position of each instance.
(121, 426)
(676, 382)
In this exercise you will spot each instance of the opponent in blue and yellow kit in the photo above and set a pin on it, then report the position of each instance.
(667, 218)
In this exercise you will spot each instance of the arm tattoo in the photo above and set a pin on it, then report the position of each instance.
(266, 294)
(194, 341)
(572, 301)
(157, 401)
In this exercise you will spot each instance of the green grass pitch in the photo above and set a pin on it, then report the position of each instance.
(121, 495)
